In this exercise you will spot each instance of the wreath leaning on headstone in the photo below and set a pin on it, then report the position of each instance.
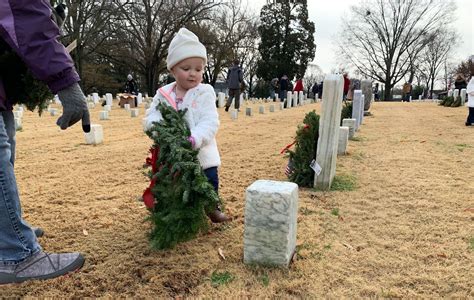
(306, 144)
(179, 196)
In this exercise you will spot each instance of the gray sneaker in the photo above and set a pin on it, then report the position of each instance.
(41, 266)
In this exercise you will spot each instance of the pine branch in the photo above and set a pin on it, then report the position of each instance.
(182, 192)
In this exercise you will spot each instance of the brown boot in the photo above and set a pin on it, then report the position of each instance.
(217, 216)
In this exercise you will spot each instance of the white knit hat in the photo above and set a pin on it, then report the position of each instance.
(184, 45)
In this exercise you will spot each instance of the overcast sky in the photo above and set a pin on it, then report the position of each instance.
(327, 18)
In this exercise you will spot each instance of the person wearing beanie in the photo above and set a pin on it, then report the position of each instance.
(186, 61)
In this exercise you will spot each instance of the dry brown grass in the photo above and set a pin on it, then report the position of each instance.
(405, 231)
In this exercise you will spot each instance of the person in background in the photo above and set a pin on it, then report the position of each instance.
(274, 88)
(298, 86)
(460, 82)
(320, 88)
(406, 90)
(131, 87)
(470, 100)
(315, 90)
(376, 92)
(347, 83)
(27, 28)
(235, 76)
(283, 88)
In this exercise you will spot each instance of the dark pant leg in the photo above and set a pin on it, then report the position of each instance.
(231, 96)
(470, 116)
(213, 177)
(237, 99)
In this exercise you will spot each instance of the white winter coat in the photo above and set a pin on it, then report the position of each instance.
(201, 117)
(470, 92)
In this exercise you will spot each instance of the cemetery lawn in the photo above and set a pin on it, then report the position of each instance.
(400, 223)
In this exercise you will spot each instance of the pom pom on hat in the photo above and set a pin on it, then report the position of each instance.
(184, 45)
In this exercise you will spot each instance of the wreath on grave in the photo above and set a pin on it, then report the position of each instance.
(346, 111)
(21, 87)
(450, 101)
(298, 169)
(179, 196)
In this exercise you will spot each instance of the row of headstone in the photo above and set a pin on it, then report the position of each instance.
(271, 207)
(261, 110)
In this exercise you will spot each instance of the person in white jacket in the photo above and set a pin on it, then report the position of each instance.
(470, 101)
(186, 60)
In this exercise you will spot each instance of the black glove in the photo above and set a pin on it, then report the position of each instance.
(74, 108)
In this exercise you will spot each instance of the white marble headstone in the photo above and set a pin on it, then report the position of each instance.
(271, 209)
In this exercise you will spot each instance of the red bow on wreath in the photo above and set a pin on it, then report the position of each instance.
(284, 150)
(148, 197)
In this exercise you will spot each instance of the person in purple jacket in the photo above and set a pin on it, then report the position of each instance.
(27, 28)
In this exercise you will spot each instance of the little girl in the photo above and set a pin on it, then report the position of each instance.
(186, 60)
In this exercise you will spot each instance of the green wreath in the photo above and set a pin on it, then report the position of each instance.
(21, 87)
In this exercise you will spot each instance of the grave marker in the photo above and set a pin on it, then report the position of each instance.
(271, 209)
(134, 112)
(289, 101)
(329, 131)
(261, 109)
(248, 111)
(220, 99)
(95, 98)
(18, 124)
(463, 97)
(351, 123)
(342, 142)
(366, 87)
(357, 106)
(139, 98)
(108, 99)
(455, 93)
(95, 136)
(104, 115)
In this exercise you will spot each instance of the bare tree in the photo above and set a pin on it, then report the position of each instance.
(89, 23)
(227, 35)
(382, 37)
(149, 26)
(433, 56)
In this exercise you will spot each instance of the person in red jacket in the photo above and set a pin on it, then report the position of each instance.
(347, 83)
(298, 85)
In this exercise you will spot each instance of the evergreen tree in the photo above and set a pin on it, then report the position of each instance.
(287, 39)
(182, 195)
